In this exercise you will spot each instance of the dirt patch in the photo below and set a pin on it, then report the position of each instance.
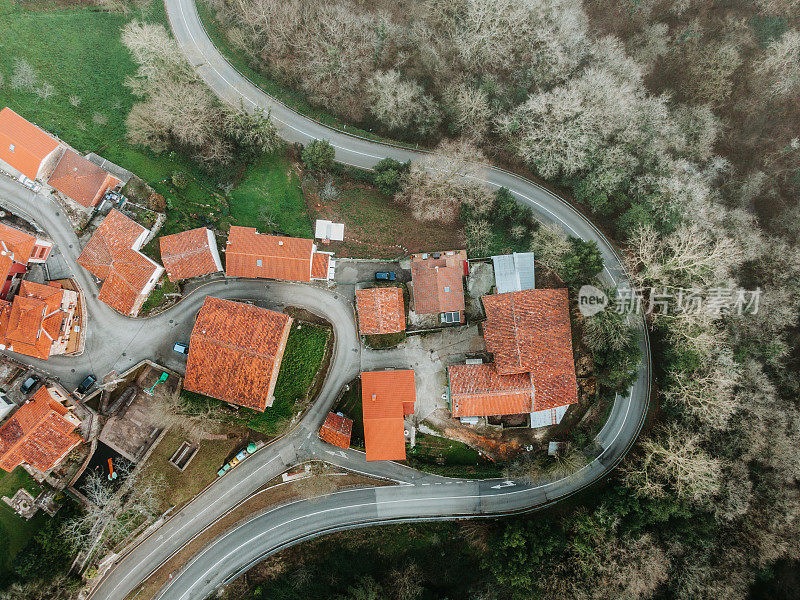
(272, 495)
(374, 223)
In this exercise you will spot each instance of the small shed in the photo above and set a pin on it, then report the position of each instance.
(329, 231)
(336, 430)
(514, 272)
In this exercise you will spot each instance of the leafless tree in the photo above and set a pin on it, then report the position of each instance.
(549, 244)
(56, 588)
(23, 75)
(780, 66)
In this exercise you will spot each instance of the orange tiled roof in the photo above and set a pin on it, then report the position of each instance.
(380, 310)
(336, 430)
(32, 322)
(40, 434)
(188, 254)
(480, 391)
(80, 179)
(16, 244)
(30, 144)
(319, 265)
(529, 331)
(386, 396)
(110, 257)
(235, 352)
(438, 282)
(279, 257)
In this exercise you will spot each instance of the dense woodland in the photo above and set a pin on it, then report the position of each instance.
(675, 125)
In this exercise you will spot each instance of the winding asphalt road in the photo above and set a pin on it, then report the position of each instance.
(117, 342)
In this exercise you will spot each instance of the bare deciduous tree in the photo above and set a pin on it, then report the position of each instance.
(780, 66)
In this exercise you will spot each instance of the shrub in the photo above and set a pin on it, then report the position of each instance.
(318, 155)
(180, 180)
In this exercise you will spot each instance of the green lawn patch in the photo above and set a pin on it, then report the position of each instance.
(446, 457)
(305, 351)
(269, 198)
(159, 295)
(16, 532)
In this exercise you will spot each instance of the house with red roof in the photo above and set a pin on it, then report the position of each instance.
(17, 250)
(39, 320)
(39, 434)
(235, 352)
(387, 397)
(112, 255)
(190, 254)
(24, 148)
(80, 180)
(529, 335)
(252, 254)
(380, 310)
(336, 430)
(437, 281)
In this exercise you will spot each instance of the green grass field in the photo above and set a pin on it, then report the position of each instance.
(15, 531)
(85, 71)
(450, 458)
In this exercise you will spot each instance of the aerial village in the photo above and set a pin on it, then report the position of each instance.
(469, 351)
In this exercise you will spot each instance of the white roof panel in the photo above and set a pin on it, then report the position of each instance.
(514, 272)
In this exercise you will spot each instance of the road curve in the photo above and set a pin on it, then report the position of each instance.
(422, 496)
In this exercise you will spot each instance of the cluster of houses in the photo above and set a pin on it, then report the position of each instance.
(527, 332)
(236, 349)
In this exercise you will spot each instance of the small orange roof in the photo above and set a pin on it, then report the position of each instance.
(16, 244)
(380, 310)
(189, 254)
(23, 145)
(386, 396)
(235, 352)
(40, 434)
(32, 322)
(319, 265)
(529, 332)
(80, 179)
(480, 391)
(253, 254)
(336, 430)
(438, 282)
(110, 257)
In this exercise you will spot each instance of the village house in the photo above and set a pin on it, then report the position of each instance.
(39, 434)
(112, 255)
(235, 352)
(437, 281)
(17, 250)
(381, 310)
(190, 254)
(39, 320)
(80, 180)
(387, 397)
(25, 150)
(252, 254)
(528, 333)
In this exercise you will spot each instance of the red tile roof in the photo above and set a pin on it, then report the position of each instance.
(438, 282)
(479, 391)
(336, 430)
(235, 352)
(319, 265)
(386, 396)
(30, 144)
(110, 257)
(81, 180)
(33, 321)
(280, 257)
(40, 433)
(16, 244)
(380, 310)
(529, 331)
(189, 254)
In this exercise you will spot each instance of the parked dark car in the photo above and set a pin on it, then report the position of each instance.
(86, 384)
(181, 348)
(385, 276)
(28, 384)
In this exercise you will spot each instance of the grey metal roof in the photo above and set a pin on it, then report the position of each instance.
(514, 272)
